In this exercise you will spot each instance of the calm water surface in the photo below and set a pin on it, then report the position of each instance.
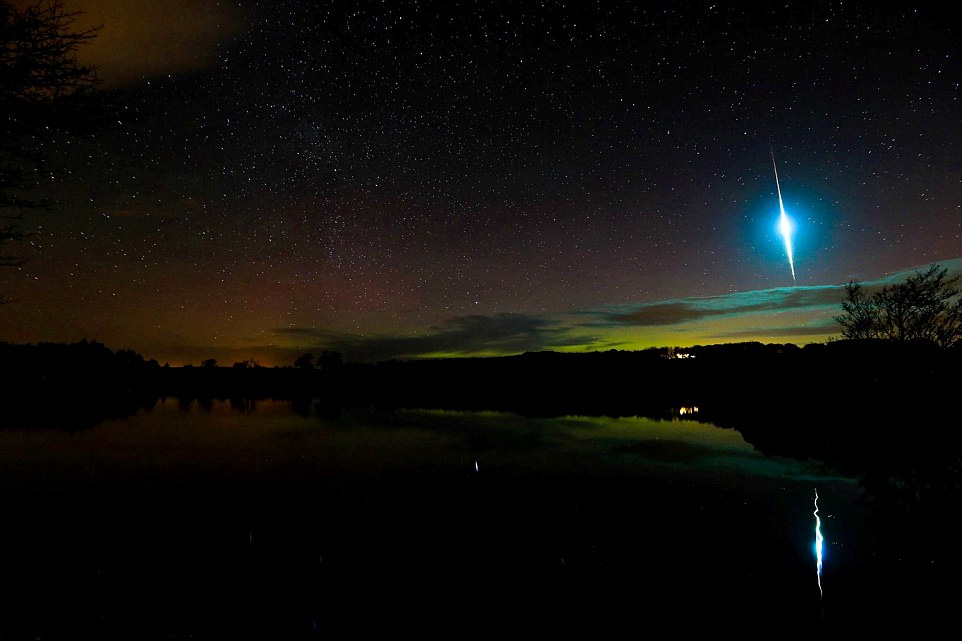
(266, 520)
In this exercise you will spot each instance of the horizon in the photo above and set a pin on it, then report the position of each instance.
(796, 315)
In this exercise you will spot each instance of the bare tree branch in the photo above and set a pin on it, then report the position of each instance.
(43, 91)
(927, 307)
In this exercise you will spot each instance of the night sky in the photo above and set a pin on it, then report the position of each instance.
(405, 179)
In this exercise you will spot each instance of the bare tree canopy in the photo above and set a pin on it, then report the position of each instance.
(41, 89)
(927, 306)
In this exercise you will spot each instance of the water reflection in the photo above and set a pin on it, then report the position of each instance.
(818, 546)
(570, 509)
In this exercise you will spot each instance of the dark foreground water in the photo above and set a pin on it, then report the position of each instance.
(262, 522)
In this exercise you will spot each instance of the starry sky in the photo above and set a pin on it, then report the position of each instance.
(459, 178)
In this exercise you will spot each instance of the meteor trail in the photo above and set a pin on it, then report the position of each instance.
(784, 223)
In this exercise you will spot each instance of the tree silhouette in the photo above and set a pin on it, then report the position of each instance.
(927, 306)
(304, 361)
(861, 317)
(43, 91)
(329, 361)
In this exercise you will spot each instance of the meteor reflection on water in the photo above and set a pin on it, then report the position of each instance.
(818, 545)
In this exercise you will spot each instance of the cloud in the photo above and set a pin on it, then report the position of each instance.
(464, 335)
(303, 332)
(793, 314)
(953, 265)
(140, 39)
(675, 312)
(821, 327)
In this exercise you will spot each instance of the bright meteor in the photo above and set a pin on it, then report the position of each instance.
(785, 226)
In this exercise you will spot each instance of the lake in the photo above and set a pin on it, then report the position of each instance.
(276, 520)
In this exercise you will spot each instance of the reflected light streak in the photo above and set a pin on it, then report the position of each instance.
(818, 545)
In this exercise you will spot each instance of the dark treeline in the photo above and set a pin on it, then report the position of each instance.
(79, 385)
(787, 379)
(881, 410)
(844, 383)
(72, 385)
